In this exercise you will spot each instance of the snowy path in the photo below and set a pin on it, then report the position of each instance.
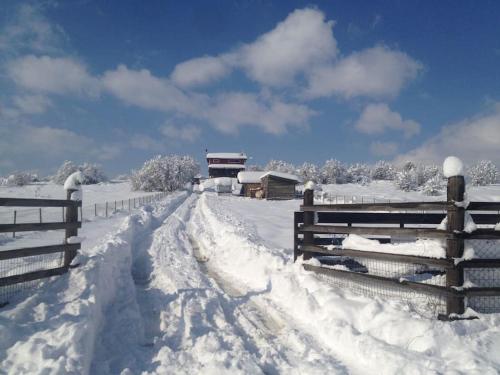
(185, 317)
(202, 284)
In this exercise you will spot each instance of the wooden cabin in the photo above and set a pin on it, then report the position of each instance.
(225, 164)
(250, 183)
(278, 185)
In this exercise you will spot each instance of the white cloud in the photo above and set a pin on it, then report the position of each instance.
(303, 40)
(201, 70)
(226, 112)
(56, 75)
(27, 146)
(145, 142)
(141, 88)
(373, 72)
(32, 104)
(471, 140)
(234, 110)
(383, 148)
(378, 118)
(29, 30)
(188, 133)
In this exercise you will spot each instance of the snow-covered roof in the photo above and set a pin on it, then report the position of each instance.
(287, 176)
(226, 166)
(226, 155)
(252, 177)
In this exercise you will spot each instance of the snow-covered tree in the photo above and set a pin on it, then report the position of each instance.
(165, 173)
(359, 174)
(383, 171)
(92, 173)
(483, 173)
(67, 168)
(309, 172)
(406, 180)
(434, 186)
(19, 179)
(280, 166)
(333, 172)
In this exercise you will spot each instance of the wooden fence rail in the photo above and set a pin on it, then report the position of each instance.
(315, 224)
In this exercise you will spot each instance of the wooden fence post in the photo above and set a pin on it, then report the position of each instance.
(308, 220)
(15, 219)
(40, 214)
(106, 208)
(95, 209)
(71, 217)
(455, 244)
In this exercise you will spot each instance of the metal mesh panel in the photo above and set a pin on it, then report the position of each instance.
(18, 266)
(485, 249)
(485, 305)
(428, 305)
(424, 303)
(483, 277)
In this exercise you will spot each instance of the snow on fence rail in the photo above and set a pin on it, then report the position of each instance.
(464, 273)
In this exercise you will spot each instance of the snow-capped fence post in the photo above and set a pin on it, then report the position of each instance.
(308, 216)
(73, 193)
(453, 170)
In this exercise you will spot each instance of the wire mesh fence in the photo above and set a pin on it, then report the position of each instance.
(425, 304)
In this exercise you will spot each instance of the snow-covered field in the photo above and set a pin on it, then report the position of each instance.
(201, 283)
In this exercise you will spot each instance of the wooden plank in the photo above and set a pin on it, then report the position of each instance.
(38, 250)
(28, 202)
(480, 234)
(481, 263)
(394, 218)
(377, 231)
(382, 256)
(30, 276)
(364, 277)
(396, 206)
(484, 206)
(482, 292)
(31, 227)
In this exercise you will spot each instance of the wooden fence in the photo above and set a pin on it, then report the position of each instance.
(319, 226)
(42, 261)
(70, 225)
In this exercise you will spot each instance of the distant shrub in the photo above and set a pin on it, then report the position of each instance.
(359, 174)
(309, 172)
(280, 166)
(165, 173)
(333, 172)
(483, 173)
(383, 171)
(19, 179)
(406, 180)
(434, 186)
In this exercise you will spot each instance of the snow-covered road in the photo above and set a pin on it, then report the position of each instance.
(205, 284)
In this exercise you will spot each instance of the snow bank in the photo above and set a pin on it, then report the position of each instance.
(335, 328)
(422, 247)
(453, 166)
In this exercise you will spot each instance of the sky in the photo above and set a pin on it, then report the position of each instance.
(117, 82)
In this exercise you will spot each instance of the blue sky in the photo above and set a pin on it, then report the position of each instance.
(117, 82)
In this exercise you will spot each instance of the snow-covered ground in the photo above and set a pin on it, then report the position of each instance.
(202, 283)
